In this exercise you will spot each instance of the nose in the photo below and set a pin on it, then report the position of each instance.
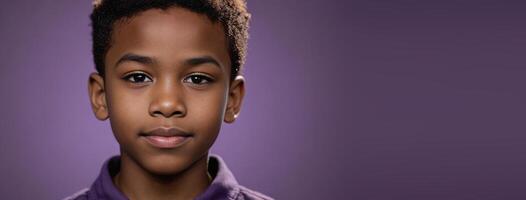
(167, 101)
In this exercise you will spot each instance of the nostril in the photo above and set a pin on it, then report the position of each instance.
(178, 113)
(167, 114)
(157, 113)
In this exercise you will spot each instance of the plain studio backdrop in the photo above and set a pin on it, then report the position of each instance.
(357, 99)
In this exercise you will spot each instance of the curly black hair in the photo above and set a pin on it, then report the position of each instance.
(232, 14)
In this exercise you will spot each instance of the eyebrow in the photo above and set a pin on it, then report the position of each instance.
(202, 60)
(135, 58)
(148, 60)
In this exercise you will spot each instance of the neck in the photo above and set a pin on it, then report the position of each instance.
(137, 183)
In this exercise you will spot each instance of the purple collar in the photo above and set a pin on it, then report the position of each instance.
(223, 186)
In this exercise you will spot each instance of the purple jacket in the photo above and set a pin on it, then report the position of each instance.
(223, 187)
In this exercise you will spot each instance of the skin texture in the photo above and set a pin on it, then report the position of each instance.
(169, 69)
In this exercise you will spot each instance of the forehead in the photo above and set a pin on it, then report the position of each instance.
(174, 33)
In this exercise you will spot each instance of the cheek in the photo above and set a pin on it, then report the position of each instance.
(126, 110)
(208, 111)
(206, 120)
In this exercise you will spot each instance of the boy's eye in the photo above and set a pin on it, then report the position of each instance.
(198, 79)
(138, 78)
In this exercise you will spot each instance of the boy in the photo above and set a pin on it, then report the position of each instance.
(167, 76)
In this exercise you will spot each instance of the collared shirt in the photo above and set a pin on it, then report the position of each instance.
(223, 187)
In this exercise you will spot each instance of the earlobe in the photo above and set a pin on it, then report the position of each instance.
(235, 99)
(97, 95)
(230, 117)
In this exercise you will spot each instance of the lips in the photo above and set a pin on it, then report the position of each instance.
(166, 137)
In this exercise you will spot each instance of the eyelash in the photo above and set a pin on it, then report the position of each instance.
(134, 75)
(201, 77)
(189, 79)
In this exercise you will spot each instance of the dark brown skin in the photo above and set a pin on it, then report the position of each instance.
(166, 87)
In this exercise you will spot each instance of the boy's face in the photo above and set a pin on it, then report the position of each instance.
(166, 69)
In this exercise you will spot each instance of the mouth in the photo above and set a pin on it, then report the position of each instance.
(166, 138)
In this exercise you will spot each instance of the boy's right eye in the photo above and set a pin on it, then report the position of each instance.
(137, 78)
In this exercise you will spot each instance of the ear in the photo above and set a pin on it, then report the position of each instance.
(97, 96)
(235, 98)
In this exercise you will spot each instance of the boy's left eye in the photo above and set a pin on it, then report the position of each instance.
(198, 79)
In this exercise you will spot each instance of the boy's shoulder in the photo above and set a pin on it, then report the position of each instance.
(248, 194)
(243, 194)
(224, 185)
(80, 195)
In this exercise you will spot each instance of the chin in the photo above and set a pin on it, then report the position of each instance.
(167, 165)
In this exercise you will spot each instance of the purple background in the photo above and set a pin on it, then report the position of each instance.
(360, 99)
